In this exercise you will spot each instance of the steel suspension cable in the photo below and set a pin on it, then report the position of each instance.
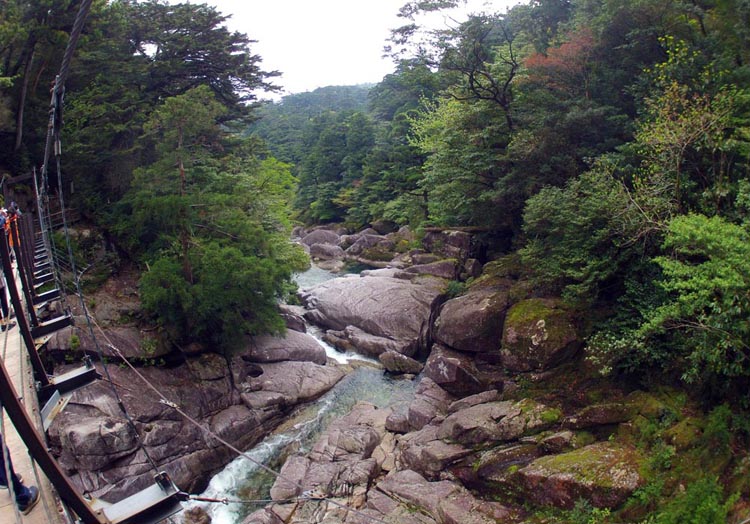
(53, 139)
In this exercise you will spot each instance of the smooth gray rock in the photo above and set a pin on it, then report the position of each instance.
(293, 345)
(384, 307)
(395, 362)
(500, 421)
(453, 371)
(473, 322)
(326, 252)
(320, 236)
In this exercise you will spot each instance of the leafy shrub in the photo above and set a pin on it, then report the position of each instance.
(454, 289)
(701, 503)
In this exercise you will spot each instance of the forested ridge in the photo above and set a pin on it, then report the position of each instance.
(602, 147)
(604, 144)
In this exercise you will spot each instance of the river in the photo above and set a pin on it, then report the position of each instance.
(243, 480)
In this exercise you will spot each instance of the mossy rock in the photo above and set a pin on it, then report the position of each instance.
(538, 334)
(685, 434)
(509, 266)
(377, 254)
(604, 473)
(649, 405)
(602, 415)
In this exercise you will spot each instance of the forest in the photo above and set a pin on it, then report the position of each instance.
(601, 146)
(603, 143)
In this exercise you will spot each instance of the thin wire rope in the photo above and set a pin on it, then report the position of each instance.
(164, 400)
(53, 137)
(65, 228)
(47, 238)
(62, 76)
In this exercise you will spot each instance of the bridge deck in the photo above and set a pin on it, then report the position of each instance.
(15, 359)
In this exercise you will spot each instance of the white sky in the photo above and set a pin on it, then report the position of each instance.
(316, 43)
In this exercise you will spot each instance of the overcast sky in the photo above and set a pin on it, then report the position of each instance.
(316, 43)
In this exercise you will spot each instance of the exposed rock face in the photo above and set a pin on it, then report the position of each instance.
(537, 335)
(383, 307)
(604, 473)
(292, 346)
(602, 414)
(497, 422)
(446, 502)
(294, 381)
(446, 269)
(320, 236)
(453, 371)
(100, 451)
(293, 317)
(129, 340)
(474, 322)
(326, 252)
(430, 401)
(366, 241)
(354, 339)
(448, 244)
(341, 461)
(427, 453)
(397, 363)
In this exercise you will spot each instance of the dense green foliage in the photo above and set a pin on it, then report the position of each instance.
(607, 140)
(155, 98)
(606, 143)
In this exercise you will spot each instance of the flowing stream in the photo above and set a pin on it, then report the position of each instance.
(243, 480)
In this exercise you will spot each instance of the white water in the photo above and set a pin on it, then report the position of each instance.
(243, 479)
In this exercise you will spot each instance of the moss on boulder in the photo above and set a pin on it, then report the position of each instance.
(537, 335)
(604, 473)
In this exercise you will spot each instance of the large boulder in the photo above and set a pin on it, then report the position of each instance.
(499, 421)
(326, 252)
(364, 242)
(293, 345)
(430, 401)
(354, 339)
(320, 236)
(397, 363)
(93, 439)
(446, 502)
(293, 317)
(604, 473)
(602, 414)
(473, 322)
(129, 340)
(538, 334)
(447, 269)
(340, 461)
(295, 381)
(453, 371)
(448, 244)
(426, 453)
(385, 307)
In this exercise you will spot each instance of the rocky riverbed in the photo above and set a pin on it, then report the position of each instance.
(502, 416)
